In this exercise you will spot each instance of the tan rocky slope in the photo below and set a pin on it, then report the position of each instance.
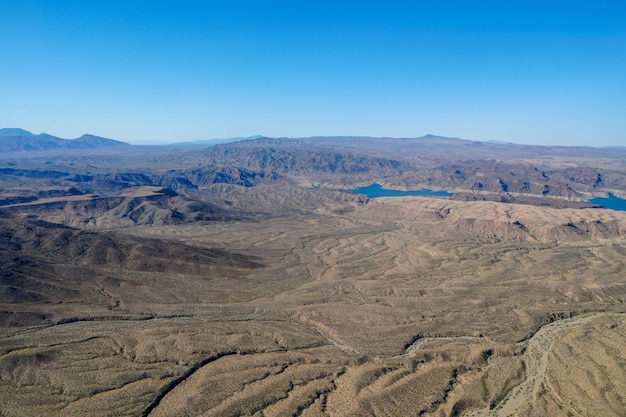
(348, 307)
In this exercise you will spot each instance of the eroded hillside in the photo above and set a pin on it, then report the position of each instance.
(273, 298)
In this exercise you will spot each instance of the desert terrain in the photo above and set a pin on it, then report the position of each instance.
(247, 279)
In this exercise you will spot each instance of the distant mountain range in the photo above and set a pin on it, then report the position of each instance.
(472, 170)
(211, 142)
(20, 140)
(17, 141)
(14, 131)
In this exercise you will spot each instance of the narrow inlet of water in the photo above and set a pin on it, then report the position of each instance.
(611, 202)
(377, 190)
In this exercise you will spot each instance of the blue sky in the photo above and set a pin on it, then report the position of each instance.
(537, 72)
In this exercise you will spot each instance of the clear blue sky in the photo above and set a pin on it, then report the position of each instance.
(539, 72)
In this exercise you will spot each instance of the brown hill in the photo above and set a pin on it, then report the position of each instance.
(45, 263)
(133, 206)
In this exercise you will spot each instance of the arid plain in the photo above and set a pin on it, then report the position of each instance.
(245, 279)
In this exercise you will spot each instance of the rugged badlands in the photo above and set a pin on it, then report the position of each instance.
(253, 293)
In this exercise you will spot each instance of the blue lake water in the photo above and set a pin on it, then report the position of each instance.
(377, 190)
(610, 202)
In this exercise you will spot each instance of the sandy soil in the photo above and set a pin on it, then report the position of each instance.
(521, 400)
(395, 307)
